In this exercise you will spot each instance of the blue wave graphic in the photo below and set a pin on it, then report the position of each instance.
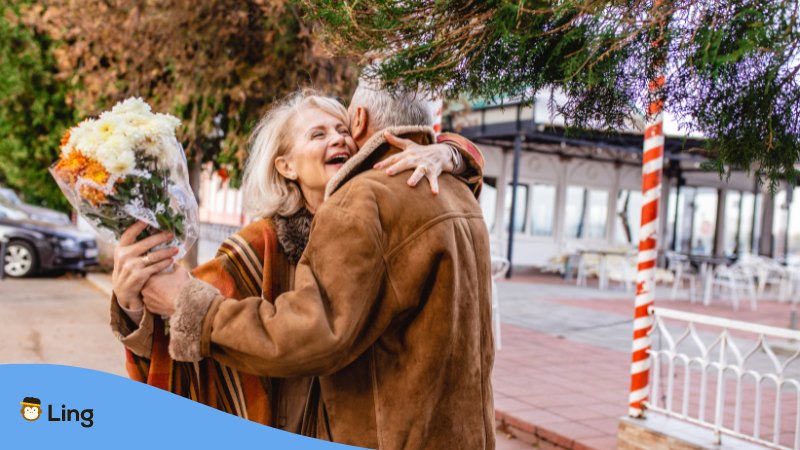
(125, 414)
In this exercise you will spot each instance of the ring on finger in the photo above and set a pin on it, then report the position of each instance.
(146, 260)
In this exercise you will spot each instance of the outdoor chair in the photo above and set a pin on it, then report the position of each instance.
(735, 279)
(499, 268)
(769, 273)
(588, 264)
(621, 269)
(683, 271)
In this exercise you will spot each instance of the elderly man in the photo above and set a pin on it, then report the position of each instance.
(391, 306)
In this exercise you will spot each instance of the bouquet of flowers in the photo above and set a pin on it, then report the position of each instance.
(126, 166)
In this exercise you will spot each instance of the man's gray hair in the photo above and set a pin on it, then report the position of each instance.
(392, 109)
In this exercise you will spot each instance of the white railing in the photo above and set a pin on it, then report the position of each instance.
(727, 375)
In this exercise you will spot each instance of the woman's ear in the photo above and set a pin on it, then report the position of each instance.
(360, 125)
(284, 167)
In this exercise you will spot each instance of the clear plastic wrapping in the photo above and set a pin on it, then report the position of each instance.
(128, 166)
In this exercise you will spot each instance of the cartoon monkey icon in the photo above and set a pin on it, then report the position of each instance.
(31, 408)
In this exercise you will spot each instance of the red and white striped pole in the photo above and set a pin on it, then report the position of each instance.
(437, 105)
(652, 162)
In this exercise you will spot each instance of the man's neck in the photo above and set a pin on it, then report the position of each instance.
(365, 137)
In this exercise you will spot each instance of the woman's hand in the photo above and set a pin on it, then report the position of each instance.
(428, 160)
(161, 291)
(132, 268)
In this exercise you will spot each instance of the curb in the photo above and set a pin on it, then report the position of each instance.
(535, 435)
(100, 281)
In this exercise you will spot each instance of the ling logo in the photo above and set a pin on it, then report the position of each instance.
(31, 408)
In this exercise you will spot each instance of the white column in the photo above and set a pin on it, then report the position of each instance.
(719, 238)
(500, 207)
(611, 216)
(561, 203)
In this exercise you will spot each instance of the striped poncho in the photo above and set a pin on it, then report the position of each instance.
(249, 263)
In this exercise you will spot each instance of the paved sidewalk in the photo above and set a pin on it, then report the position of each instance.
(57, 321)
(566, 393)
(562, 377)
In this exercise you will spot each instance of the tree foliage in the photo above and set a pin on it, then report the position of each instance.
(33, 109)
(217, 65)
(731, 66)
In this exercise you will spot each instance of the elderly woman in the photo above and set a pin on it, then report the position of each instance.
(296, 149)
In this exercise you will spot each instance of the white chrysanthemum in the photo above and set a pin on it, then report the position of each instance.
(151, 147)
(116, 155)
(136, 119)
(123, 164)
(90, 141)
(169, 121)
(134, 133)
(107, 126)
(162, 126)
(79, 133)
(131, 105)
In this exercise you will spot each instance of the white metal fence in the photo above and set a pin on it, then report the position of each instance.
(736, 378)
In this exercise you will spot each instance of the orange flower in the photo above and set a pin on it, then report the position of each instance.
(95, 171)
(94, 196)
(65, 138)
(75, 165)
(71, 165)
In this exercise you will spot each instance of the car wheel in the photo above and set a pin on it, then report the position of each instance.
(19, 260)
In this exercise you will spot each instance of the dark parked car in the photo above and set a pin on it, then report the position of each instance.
(34, 246)
(10, 198)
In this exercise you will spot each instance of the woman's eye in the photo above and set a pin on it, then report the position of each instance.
(317, 135)
(345, 131)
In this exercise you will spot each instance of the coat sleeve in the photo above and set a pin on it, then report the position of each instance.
(137, 337)
(473, 175)
(338, 309)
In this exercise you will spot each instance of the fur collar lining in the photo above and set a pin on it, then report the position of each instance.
(351, 167)
(293, 233)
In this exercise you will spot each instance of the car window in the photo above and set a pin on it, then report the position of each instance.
(10, 196)
(11, 213)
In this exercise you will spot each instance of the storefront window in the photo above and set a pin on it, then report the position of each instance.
(543, 209)
(733, 203)
(585, 213)
(704, 221)
(521, 210)
(750, 210)
(488, 201)
(628, 218)
(779, 217)
(794, 227)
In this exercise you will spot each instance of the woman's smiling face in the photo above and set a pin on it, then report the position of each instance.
(321, 145)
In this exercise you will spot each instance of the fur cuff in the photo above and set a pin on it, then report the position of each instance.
(186, 324)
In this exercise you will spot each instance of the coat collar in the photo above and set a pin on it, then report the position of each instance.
(353, 165)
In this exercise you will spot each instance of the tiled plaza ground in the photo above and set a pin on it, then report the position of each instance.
(562, 376)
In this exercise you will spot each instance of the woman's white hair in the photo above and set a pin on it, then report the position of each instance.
(266, 192)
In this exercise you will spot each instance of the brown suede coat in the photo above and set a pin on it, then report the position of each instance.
(391, 307)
